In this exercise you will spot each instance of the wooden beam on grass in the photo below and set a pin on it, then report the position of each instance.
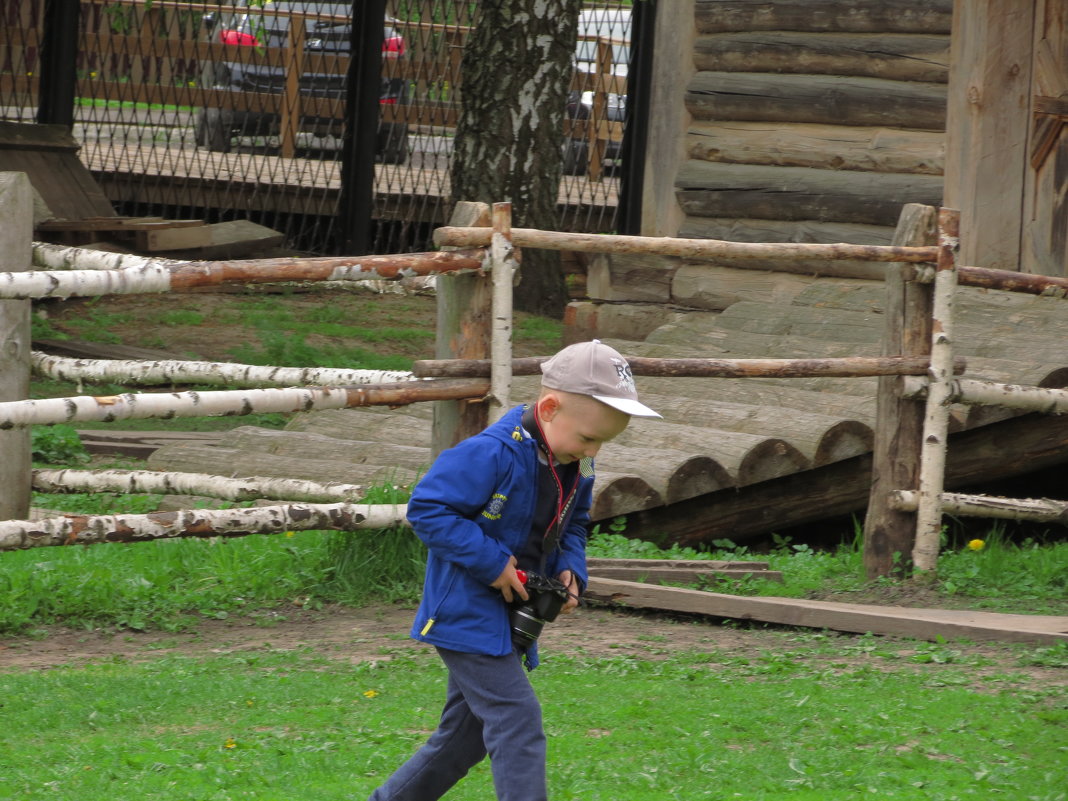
(924, 624)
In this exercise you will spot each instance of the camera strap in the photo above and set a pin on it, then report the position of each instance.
(564, 500)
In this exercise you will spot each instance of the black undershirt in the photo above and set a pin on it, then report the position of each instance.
(547, 502)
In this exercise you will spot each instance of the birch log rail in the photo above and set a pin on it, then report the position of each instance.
(1040, 510)
(176, 371)
(17, 414)
(165, 275)
(91, 530)
(232, 489)
(686, 248)
(708, 368)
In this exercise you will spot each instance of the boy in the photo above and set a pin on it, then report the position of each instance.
(515, 496)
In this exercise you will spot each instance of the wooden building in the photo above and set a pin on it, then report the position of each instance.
(815, 120)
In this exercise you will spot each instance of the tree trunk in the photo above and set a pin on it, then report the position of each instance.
(517, 69)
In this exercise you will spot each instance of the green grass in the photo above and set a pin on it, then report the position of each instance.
(722, 724)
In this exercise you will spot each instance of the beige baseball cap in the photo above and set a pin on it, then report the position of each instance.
(595, 369)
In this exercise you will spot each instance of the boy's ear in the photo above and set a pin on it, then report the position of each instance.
(548, 406)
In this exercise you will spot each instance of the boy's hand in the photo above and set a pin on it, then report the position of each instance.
(508, 582)
(567, 578)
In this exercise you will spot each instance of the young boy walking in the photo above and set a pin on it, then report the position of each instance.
(511, 500)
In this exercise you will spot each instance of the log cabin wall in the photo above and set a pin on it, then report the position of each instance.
(804, 121)
(814, 120)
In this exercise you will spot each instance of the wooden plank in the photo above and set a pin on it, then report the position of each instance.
(825, 99)
(899, 16)
(176, 238)
(898, 57)
(925, 624)
(800, 193)
(1044, 246)
(989, 83)
(676, 575)
(239, 239)
(682, 564)
(839, 147)
(16, 234)
(26, 136)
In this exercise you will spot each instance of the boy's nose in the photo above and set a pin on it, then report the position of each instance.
(591, 450)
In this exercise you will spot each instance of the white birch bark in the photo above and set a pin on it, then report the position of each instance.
(936, 420)
(168, 483)
(503, 267)
(63, 257)
(1012, 396)
(229, 402)
(93, 529)
(190, 372)
(84, 283)
(1040, 510)
(975, 392)
(132, 406)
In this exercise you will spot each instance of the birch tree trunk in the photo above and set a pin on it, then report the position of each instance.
(91, 530)
(248, 488)
(177, 371)
(517, 73)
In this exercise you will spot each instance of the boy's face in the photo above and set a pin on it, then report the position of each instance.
(575, 426)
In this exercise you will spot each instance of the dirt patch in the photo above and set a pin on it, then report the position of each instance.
(380, 633)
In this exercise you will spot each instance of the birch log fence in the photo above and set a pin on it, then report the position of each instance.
(474, 344)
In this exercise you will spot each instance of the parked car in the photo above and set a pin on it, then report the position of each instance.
(215, 127)
(613, 24)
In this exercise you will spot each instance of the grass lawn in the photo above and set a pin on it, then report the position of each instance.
(811, 720)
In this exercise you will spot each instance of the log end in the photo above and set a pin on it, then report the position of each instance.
(842, 441)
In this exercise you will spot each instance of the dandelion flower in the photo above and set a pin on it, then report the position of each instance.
(370, 693)
(976, 545)
(230, 743)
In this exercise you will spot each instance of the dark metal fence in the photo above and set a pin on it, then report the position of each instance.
(196, 109)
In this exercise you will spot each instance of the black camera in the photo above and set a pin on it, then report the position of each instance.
(545, 598)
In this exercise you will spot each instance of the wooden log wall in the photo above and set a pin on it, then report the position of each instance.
(813, 114)
(810, 121)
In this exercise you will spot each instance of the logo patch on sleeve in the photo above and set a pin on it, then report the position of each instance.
(495, 506)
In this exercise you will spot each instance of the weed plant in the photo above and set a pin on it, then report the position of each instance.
(808, 720)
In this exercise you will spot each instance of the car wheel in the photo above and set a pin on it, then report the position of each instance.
(576, 157)
(214, 129)
(392, 143)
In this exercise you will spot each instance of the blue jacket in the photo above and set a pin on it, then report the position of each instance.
(473, 509)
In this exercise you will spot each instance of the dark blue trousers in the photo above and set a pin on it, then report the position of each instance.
(490, 708)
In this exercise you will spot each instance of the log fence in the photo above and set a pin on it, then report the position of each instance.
(474, 344)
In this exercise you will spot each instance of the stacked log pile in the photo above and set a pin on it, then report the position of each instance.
(732, 457)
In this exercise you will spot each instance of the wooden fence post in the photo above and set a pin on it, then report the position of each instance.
(289, 124)
(464, 331)
(889, 534)
(16, 235)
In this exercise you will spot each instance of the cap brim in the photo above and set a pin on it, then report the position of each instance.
(628, 406)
